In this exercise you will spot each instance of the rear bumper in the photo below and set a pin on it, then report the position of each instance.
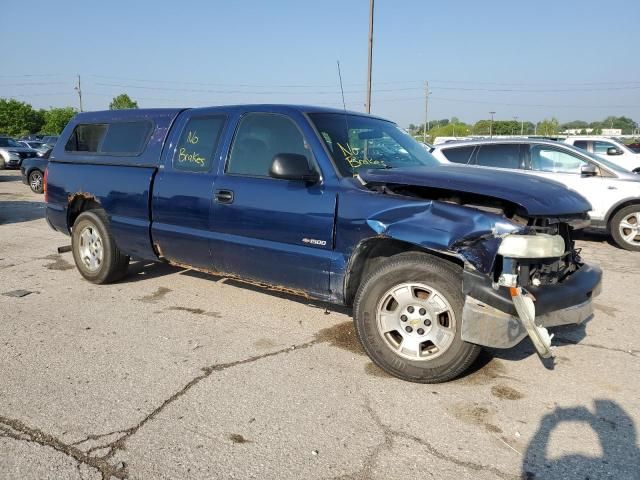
(489, 318)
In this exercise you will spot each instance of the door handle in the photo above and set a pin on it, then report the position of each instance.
(224, 196)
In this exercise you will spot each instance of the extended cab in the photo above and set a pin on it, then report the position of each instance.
(337, 206)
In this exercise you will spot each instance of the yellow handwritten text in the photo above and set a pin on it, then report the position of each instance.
(192, 137)
(193, 157)
(351, 156)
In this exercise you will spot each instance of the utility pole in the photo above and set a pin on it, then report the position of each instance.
(426, 112)
(78, 89)
(368, 105)
(491, 125)
(522, 128)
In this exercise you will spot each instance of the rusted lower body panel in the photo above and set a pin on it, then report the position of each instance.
(123, 192)
(248, 281)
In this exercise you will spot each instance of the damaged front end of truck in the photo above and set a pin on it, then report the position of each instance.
(522, 272)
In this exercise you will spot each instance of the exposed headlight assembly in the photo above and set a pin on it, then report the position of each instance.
(532, 246)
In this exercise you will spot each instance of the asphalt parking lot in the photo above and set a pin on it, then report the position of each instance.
(175, 374)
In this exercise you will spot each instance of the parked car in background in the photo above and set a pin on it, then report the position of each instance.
(12, 153)
(610, 149)
(32, 137)
(614, 192)
(50, 140)
(337, 206)
(32, 170)
(36, 145)
(635, 146)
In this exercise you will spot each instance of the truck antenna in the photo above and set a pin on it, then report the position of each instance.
(344, 105)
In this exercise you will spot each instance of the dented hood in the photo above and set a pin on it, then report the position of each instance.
(538, 196)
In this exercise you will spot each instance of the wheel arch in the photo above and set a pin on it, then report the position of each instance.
(79, 203)
(31, 169)
(617, 207)
(369, 253)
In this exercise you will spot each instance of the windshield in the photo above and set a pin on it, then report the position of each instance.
(8, 142)
(358, 142)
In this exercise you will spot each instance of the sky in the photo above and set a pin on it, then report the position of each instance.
(532, 60)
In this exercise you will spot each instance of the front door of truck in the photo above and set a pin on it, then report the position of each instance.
(183, 189)
(270, 230)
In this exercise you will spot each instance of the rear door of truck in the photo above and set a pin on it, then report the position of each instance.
(184, 186)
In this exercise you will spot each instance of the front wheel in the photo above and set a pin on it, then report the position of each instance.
(36, 181)
(95, 252)
(625, 228)
(408, 316)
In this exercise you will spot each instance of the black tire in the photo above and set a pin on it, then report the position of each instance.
(113, 264)
(615, 227)
(36, 181)
(442, 276)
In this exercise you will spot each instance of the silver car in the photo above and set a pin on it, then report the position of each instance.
(614, 192)
(13, 152)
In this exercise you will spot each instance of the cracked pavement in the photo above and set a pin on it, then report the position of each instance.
(176, 374)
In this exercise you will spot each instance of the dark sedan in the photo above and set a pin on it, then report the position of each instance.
(33, 169)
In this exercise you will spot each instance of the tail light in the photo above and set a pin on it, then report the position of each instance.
(44, 185)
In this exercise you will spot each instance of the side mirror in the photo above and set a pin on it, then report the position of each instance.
(589, 170)
(614, 151)
(292, 166)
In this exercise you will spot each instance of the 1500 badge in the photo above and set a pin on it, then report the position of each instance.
(313, 241)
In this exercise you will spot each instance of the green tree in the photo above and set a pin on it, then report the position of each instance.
(55, 119)
(548, 127)
(623, 123)
(576, 124)
(529, 128)
(121, 102)
(481, 127)
(458, 129)
(18, 118)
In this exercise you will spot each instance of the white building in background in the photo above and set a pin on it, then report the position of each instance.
(578, 131)
(606, 132)
(611, 132)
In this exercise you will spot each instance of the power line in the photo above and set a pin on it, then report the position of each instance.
(37, 84)
(417, 83)
(352, 92)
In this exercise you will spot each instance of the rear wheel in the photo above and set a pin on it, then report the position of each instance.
(96, 255)
(36, 181)
(625, 228)
(408, 315)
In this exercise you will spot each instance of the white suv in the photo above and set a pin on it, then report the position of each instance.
(614, 193)
(609, 149)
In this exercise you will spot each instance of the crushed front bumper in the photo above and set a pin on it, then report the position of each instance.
(490, 318)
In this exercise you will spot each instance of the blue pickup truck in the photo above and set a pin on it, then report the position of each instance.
(331, 205)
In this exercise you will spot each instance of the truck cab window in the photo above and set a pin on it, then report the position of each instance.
(259, 138)
(126, 138)
(197, 145)
(117, 138)
(86, 138)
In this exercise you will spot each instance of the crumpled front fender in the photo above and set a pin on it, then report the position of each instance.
(470, 234)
